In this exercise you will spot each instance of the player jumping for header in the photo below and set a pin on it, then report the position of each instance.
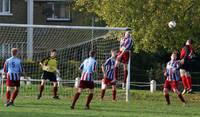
(123, 55)
(187, 54)
(88, 67)
(108, 73)
(172, 76)
(12, 71)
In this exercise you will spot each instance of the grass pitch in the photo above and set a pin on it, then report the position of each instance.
(142, 104)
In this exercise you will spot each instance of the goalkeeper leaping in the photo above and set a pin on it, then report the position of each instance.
(123, 55)
(49, 67)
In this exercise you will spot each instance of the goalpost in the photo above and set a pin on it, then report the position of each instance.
(73, 44)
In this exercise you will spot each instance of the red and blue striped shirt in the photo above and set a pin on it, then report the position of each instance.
(13, 68)
(172, 71)
(88, 67)
(126, 43)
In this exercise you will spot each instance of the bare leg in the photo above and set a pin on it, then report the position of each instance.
(103, 92)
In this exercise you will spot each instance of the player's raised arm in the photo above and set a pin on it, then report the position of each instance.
(42, 61)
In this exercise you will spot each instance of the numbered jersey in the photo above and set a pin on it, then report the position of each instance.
(13, 65)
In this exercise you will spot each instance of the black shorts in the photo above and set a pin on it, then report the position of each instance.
(186, 66)
(49, 75)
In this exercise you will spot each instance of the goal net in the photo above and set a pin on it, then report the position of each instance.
(72, 43)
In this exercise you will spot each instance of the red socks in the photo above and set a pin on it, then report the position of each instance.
(167, 98)
(181, 98)
(115, 72)
(189, 82)
(184, 81)
(125, 75)
(102, 93)
(41, 89)
(89, 99)
(14, 95)
(8, 93)
(75, 99)
(114, 94)
(55, 90)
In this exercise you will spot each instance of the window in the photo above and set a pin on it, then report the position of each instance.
(58, 11)
(5, 7)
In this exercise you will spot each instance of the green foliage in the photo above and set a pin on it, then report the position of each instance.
(149, 20)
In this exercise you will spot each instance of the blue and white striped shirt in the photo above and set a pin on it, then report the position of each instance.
(88, 67)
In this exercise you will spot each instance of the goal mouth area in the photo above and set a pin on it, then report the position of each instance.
(72, 43)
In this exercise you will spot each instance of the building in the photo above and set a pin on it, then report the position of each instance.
(45, 12)
(59, 12)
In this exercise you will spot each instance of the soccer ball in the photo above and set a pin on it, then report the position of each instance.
(172, 24)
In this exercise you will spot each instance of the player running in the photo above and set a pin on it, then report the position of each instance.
(123, 55)
(88, 67)
(49, 66)
(172, 77)
(187, 54)
(108, 74)
(12, 71)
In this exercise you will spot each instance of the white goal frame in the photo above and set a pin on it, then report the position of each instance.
(30, 28)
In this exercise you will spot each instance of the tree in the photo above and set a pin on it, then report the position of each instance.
(149, 20)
